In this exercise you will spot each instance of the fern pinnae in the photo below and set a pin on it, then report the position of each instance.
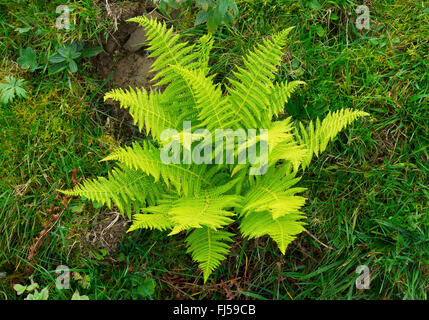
(203, 48)
(282, 230)
(167, 48)
(208, 247)
(251, 91)
(280, 94)
(147, 158)
(157, 221)
(146, 109)
(207, 95)
(123, 187)
(316, 136)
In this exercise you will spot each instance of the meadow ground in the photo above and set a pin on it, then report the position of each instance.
(368, 192)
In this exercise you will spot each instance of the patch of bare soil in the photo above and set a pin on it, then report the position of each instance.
(387, 140)
(133, 76)
(125, 60)
(107, 233)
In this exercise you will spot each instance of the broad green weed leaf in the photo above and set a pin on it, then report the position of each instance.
(28, 59)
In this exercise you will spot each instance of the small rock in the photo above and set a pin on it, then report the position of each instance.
(111, 45)
(135, 41)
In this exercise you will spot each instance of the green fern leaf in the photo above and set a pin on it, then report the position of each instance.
(316, 137)
(250, 93)
(203, 48)
(208, 247)
(273, 193)
(166, 47)
(203, 211)
(212, 108)
(124, 187)
(282, 230)
(158, 221)
(148, 111)
(280, 94)
(148, 159)
(170, 50)
(207, 209)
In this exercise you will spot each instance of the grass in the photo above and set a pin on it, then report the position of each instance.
(368, 192)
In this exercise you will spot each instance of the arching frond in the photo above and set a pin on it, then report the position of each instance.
(124, 187)
(158, 221)
(273, 193)
(208, 247)
(148, 110)
(282, 230)
(170, 50)
(166, 47)
(289, 151)
(203, 48)
(196, 212)
(281, 145)
(250, 92)
(280, 132)
(145, 157)
(212, 108)
(280, 94)
(316, 137)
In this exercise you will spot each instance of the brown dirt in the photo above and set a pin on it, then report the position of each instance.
(129, 68)
(125, 67)
(387, 141)
(134, 71)
(107, 233)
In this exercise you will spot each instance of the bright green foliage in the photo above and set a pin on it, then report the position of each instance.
(68, 56)
(11, 89)
(208, 247)
(203, 200)
(146, 109)
(123, 186)
(212, 12)
(316, 136)
(28, 59)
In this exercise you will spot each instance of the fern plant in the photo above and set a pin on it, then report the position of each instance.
(201, 201)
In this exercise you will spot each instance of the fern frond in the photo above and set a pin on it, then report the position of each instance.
(203, 48)
(250, 92)
(207, 211)
(158, 221)
(280, 94)
(147, 158)
(289, 151)
(316, 137)
(212, 108)
(167, 47)
(170, 50)
(281, 144)
(273, 193)
(282, 230)
(147, 110)
(196, 212)
(124, 187)
(280, 131)
(208, 247)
